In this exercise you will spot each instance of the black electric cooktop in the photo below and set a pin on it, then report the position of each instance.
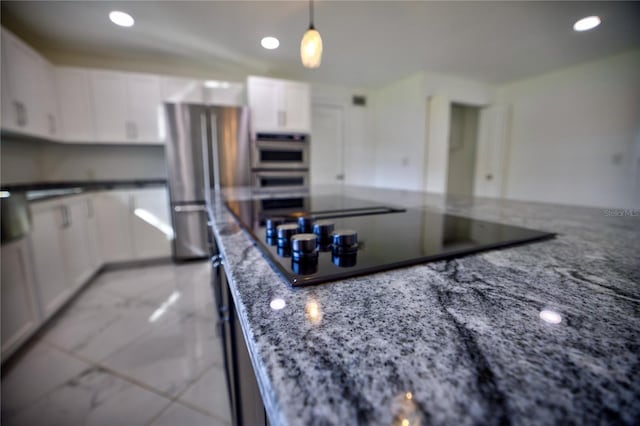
(370, 237)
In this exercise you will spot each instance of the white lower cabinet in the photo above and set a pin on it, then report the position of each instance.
(49, 259)
(61, 242)
(151, 224)
(70, 240)
(20, 313)
(134, 224)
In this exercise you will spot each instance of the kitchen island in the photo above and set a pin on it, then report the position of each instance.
(542, 333)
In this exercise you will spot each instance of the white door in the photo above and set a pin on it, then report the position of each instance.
(75, 104)
(327, 144)
(53, 287)
(296, 103)
(109, 96)
(144, 103)
(150, 223)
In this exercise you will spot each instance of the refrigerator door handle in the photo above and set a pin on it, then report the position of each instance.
(198, 208)
(204, 140)
(216, 150)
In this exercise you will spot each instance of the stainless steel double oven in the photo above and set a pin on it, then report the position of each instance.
(280, 161)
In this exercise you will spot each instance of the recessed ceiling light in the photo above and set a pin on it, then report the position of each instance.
(586, 24)
(121, 18)
(270, 43)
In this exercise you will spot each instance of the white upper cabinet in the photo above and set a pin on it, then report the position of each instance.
(178, 89)
(74, 98)
(144, 107)
(279, 105)
(126, 107)
(109, 96)
(28, 98)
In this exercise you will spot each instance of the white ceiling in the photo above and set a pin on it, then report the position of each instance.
(365, 43)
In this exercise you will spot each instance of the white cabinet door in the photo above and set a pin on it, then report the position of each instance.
(296, 103)
(76, 118)
(264, 102)
(109, 96)
(23, 84)
(75, 242)
(93, 234)
(279, 105)
(230, 94)
(144, 107)
(20, 314)
(151, 224)
(48, 99)
(113, 210)
(178, 89)
(53, 287)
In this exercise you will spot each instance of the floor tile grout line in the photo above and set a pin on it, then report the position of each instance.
(194, 406)
(143, 385)
(111, 371)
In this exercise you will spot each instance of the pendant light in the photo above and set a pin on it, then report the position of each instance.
(311, 44)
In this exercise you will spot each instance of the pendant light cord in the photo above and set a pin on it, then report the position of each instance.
(311, 14)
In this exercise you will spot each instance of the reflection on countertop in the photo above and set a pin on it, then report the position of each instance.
(546, 333)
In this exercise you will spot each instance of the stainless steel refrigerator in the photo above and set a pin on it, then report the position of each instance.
(208, 147)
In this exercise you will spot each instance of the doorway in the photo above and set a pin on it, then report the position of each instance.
(327, 144)
(463, 137)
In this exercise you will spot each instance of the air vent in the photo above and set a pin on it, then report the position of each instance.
(359, 100)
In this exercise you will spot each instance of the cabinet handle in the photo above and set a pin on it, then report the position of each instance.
(68, 214)
(284, 118)
(90, 209)
(52, 124)
(281, 118)
(129, 129)
(21, 116)
(134, 131)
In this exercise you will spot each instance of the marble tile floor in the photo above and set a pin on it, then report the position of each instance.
(137, 347)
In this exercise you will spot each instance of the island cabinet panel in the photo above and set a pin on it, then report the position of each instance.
(20, 313)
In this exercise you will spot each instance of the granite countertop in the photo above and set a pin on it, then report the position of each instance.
(452, 342)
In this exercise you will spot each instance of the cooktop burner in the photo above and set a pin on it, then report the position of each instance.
(311, 240)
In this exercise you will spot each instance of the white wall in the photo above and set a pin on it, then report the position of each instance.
(411, 139)
(574, 134)
(28, 161)
(398, 114)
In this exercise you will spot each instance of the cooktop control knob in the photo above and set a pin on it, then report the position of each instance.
(323, 229)
(345, 241)
(272, 226)
(305, 224)
(285, 232)
(305, 267)
(303, 246)
(344, 260)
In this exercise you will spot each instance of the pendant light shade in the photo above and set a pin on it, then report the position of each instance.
(311, 44)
